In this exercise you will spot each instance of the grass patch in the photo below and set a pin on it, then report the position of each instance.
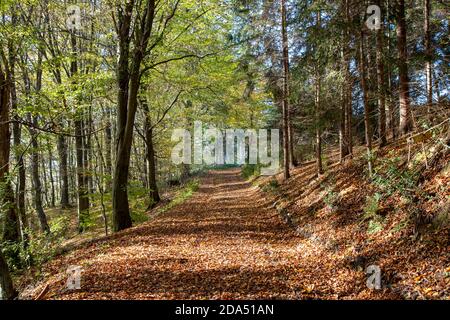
(273, 186)
(182, 195)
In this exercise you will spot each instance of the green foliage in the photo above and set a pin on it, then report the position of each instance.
(39, 249)
(400, 226)
(372, 206)
(371, 209)
(273, 186)
(251, 170)
(389, 177)
(374, 226)
(182, 195)
(331, 198)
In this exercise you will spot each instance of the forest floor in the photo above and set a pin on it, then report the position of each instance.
(229, 241)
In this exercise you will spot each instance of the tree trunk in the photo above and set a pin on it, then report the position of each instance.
(286, 116)
(128, 84)
(405, 113)
(11, 226)
(36, 177)
(318, 130)
(35, 149)
(317, 109)
(45, 180)
(7, 291)
(63, 172)
(80, 149)
(349, 83)
(428, 56)
(17, 138)
(52, 181)
(345, 131)
(368, 128)
(390, 118)
(108, 143)
(381, 92)
(154, 194)
(83, 200)
(292, 160)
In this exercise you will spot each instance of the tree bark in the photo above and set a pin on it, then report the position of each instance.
(52, 180)
(80, 149)
(405, 113)
(108, 143)
(11, 224)
(390, 118)
(367, 124)
(154, 193)
(428, 56)
(7, 291)
(381, 92)
(318, 131)
(36, 177)
(286, 116)
(345, 124)
(128, 82)
(317, 109)
(63, 172)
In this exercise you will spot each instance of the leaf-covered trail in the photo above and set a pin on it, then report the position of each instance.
(223, 243)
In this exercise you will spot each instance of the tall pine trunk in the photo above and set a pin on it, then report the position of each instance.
(365, 90)
(428, 56)
(381, 92)
(286, 115)
(405, 112)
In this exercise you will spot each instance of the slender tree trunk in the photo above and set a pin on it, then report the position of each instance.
(381, 92)
(405, 112)
(154, 193)
(63, 171)
(36, 178)
(317, 111)
(367, 124)
(52, 180)
(343, 148)
(17, 138)
(45, 180)
(80, 148)
(286, 116)
(150, 165)
(35, 150)
(349, 83)
(318, 130)
(429, 56)
(83, 200)
(11, 221)
(344, 132)
(108, 142)
(7, 291)
(390, 122)
(292, 160)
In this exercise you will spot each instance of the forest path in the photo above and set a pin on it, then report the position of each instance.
(222, 243)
